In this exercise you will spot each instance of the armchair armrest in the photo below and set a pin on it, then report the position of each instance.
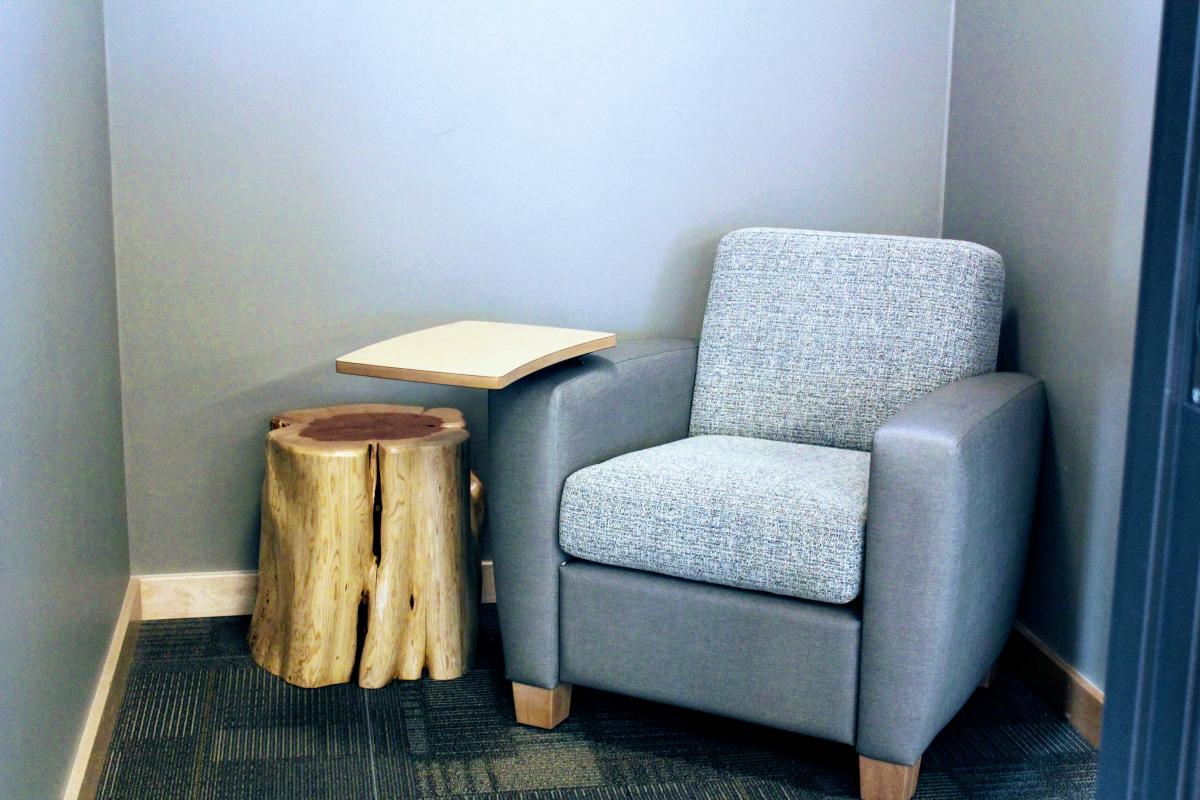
(953, 479)
(545, 427)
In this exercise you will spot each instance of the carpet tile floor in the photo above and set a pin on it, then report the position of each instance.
(199, 721)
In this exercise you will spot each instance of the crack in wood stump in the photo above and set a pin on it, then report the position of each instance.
(367, 502)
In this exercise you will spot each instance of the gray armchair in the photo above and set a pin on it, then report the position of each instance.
(816, 521)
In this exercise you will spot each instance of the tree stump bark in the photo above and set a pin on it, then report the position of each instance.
(365, 518)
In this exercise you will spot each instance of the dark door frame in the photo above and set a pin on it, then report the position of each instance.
(1152, 718)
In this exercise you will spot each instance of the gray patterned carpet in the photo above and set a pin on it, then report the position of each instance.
(200, 721)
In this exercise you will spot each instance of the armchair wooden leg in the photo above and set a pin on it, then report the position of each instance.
(879, 780)
(541, 708)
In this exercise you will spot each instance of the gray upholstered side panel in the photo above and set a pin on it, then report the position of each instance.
(781, 662)
(953, 478)
(819, 337)
(544, 427)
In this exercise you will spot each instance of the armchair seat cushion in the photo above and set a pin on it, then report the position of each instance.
(752, 513)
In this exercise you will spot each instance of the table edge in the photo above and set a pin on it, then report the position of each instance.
(475, 381)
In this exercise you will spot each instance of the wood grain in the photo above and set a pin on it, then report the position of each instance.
(83, 779)
(482, 355)
(1059, 684)
(324, 552)
(879, 780)
(541, 708)
(422, 606)
(197, 594)
(232, 594)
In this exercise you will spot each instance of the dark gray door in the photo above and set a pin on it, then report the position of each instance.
(1152, 718)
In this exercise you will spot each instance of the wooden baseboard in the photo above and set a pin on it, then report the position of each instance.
(487, 589)
(84, 777)
(225, 594)
(1056, 682)
(198, 594)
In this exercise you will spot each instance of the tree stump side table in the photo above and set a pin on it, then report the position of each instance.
(366, 506)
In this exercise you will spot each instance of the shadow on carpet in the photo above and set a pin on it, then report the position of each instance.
(199, 721)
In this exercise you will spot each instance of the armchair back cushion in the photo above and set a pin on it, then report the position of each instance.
(818, 338)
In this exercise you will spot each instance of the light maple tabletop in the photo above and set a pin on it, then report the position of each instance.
(482, 355)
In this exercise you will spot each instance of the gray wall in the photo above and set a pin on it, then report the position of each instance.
(1049, 141)
(292, 181)
(64, 557)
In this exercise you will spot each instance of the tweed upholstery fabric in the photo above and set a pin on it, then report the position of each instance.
(752, 513)
(819, 337)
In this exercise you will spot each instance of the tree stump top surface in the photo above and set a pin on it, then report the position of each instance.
(371, 425)
(337, 427)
